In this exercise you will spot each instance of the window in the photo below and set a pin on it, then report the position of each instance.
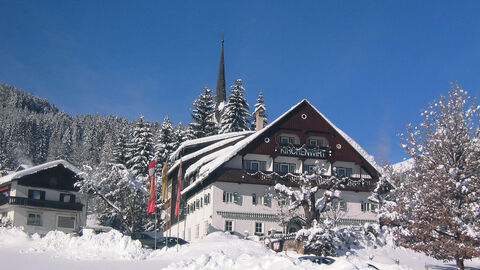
(254, 199)
(67, 198)
(52, 182)
(258, 228)
(344, 172)
(339, 205)
(228, 225)
(197, 204)
(317, 142)
(206, 198)
(266, 200)
(34, 219)
(284, 167)
(286, 139)
(367, 206)
(255, 165)
(66, 222)
(231, 197)
(36, 194)
(309, 169)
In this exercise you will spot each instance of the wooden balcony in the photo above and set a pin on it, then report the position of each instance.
(271, 178)
(41, 203)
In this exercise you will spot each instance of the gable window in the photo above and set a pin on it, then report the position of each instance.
(258, 228)
(317, 142)
(344, 172)
(255, 165)
(67, 198)
(34, 219)
(66, 222)
(36, 194)
(284, 139)
(284, 167)
(228, 225)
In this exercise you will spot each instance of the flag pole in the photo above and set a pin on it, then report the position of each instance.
(155, 217)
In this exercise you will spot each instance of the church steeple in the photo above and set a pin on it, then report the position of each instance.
(221, 95)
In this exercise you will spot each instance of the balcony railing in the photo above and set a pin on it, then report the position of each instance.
(41, 203)
(269, 178)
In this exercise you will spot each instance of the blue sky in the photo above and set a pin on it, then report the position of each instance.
(369, 66)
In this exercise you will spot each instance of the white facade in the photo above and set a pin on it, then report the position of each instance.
(230, 186)
(231, 206)
(39, 209)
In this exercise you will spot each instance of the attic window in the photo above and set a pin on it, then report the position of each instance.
(304, 116)
(52, 181)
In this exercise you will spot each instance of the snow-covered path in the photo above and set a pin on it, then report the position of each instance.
(217, 251)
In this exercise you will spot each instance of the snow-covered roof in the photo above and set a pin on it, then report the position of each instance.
(403, 166)
(215, 160)
(210, 139)
(35, 169)
(205, 150)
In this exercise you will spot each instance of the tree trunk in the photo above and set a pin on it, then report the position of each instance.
(460, 265)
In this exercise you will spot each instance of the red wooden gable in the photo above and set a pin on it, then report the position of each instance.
(305, 121)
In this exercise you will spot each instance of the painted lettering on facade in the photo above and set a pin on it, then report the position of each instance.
(290, 150)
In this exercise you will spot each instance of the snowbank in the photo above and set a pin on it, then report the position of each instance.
(112, 250)
(104, 246)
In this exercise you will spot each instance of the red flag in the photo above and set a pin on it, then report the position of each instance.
(179, 188)
(151, 195)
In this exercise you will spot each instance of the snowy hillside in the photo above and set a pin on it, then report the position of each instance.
(217, 251)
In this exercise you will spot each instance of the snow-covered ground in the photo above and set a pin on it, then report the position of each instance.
(112, 250)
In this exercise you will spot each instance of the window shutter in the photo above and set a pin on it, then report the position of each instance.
(254, 199)
(224, 196)
(265, 199)
(343, 206)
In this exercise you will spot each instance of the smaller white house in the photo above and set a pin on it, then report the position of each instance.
(43, 198)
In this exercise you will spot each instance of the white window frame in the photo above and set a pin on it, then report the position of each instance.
(261, 165)
(256, 227)
(37, 219)
(291, 167)
(347, 172)
(231, 225)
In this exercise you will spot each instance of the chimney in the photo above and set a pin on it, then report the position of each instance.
(259, 118)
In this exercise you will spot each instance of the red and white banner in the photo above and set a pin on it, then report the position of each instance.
(151, 194)
(179, 188)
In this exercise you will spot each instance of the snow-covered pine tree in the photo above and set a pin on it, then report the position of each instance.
(437, 207)
(166, 141)
(259, 105)
(141, 148)
(203, 114)
(120, 151)
(236, 114)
